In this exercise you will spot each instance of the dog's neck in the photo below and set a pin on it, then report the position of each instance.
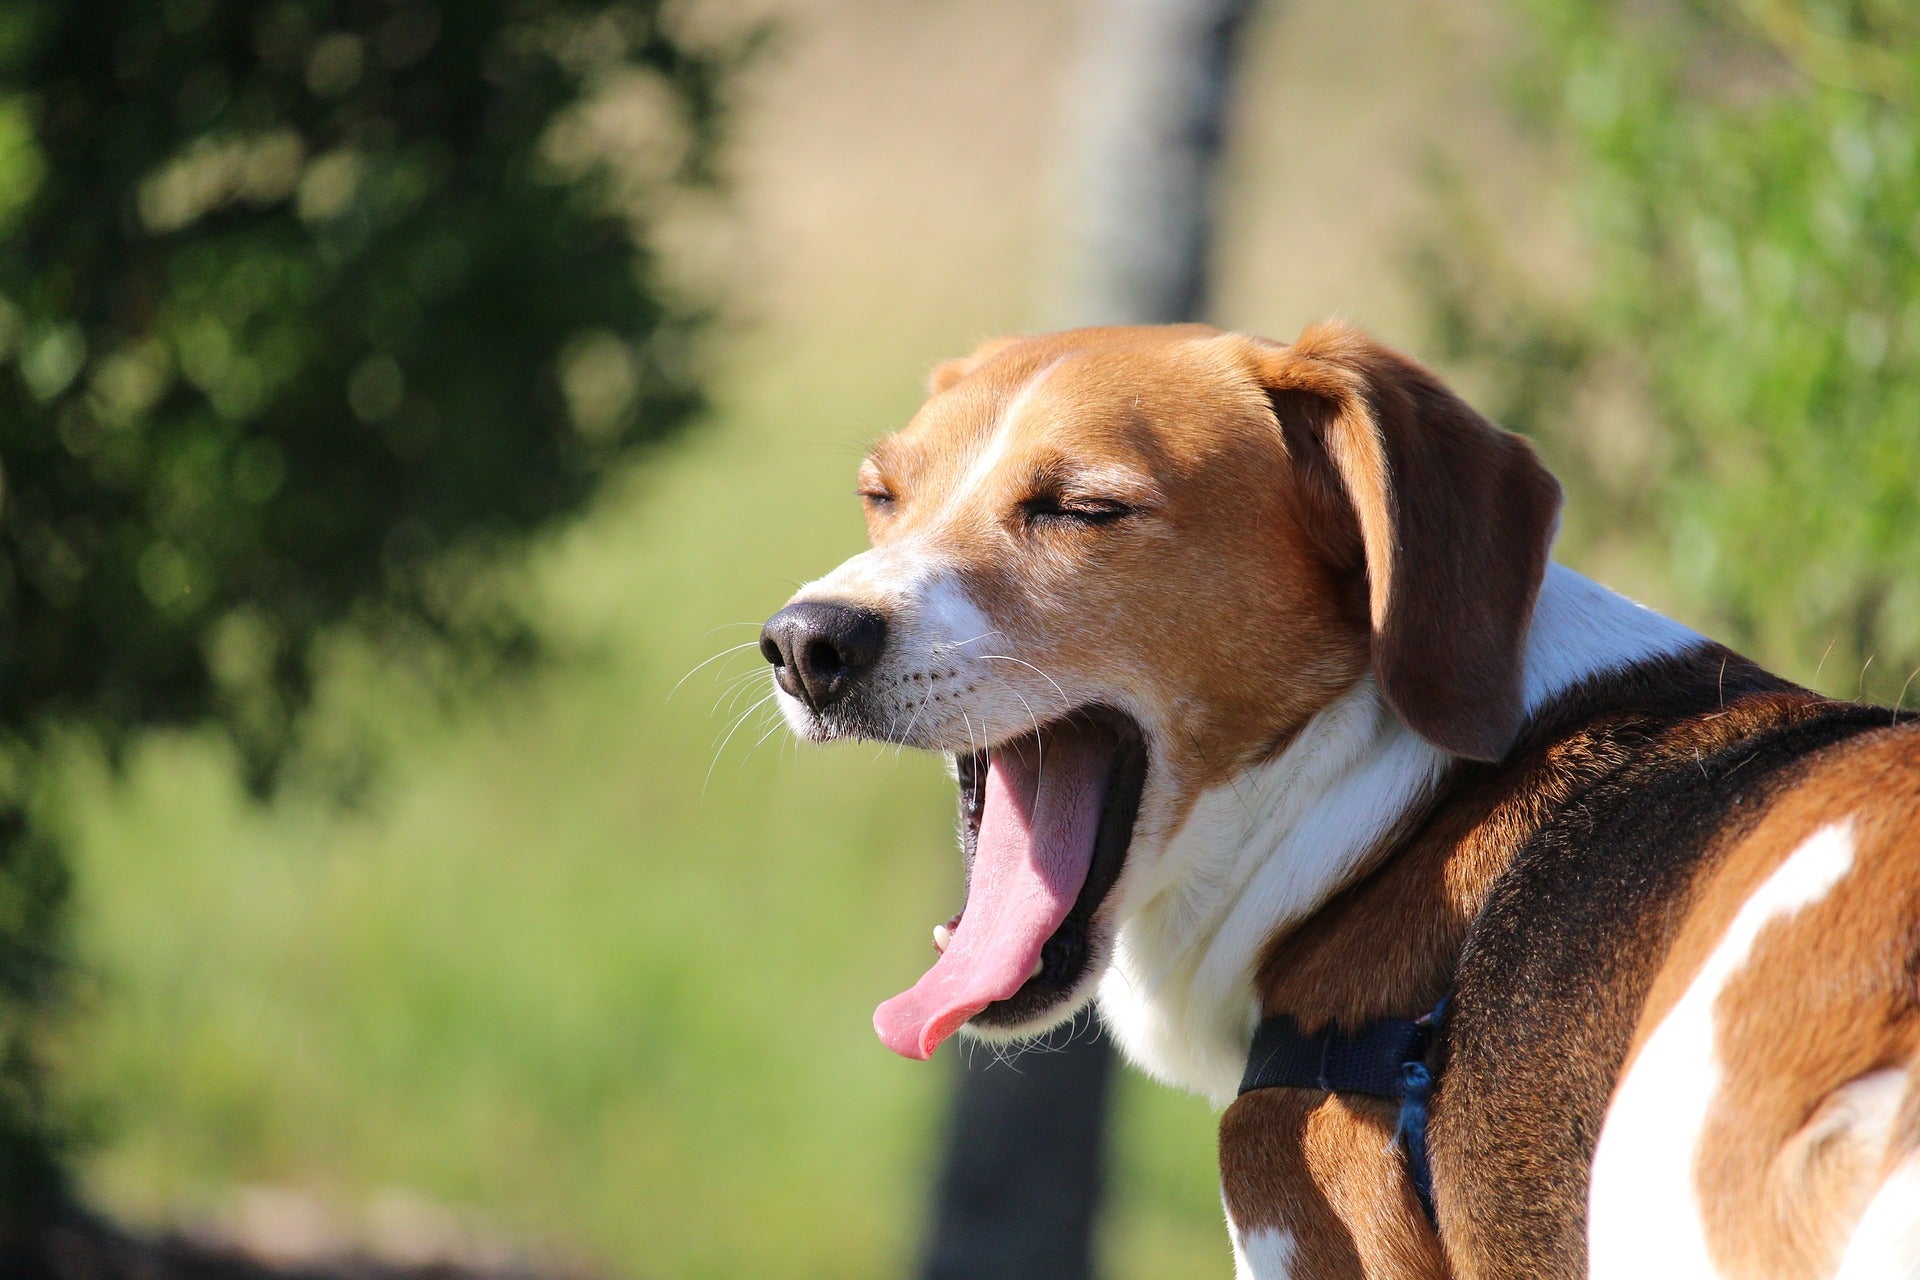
(1267, 851)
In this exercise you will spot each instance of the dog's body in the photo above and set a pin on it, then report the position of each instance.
(1265, 700)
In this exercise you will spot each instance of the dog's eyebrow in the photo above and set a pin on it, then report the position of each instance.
(883, 454)
(1066, 476)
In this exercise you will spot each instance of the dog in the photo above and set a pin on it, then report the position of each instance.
(1519, 930)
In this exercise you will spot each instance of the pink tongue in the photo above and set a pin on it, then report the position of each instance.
(1037, 829)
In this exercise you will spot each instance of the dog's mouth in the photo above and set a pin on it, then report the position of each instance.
(1045, 823)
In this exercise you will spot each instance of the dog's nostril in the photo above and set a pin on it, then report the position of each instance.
(824, 660)
(771, 651)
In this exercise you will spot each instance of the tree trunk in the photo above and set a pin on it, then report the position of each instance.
(1148, 122)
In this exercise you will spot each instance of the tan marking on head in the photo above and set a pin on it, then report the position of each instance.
(948, 372)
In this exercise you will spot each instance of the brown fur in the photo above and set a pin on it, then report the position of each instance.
(1389, 945)
(1197, 454)
(1325, 1170)
(1454, 519)
(1826, 998)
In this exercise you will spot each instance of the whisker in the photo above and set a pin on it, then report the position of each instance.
(778, 722)
(734, 692)
(733, 683)
(961, 644)
(1823, 658)
(771, 730)
(735, 718)
(1040, 743)
(1903, 692)
(901, 741)
(744, 677)
(705, 661)
(1058, 691)
(722, 749)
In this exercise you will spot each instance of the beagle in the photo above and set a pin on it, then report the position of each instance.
(1273, 722)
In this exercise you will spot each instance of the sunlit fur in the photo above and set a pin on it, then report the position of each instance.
(1208, 615)
(1317, 582)
(1199, 615)
(1646, 1213)
(1265, 849)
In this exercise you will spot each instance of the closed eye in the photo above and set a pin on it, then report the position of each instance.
(1058, 510)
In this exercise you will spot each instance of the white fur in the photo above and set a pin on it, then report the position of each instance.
(1581, 629)
(1886, 1240)
(985, 462)
(1644, 1213)
(1265, 1254)
(1179, 994)
(1202, 892)
(1272, 847)
(1862, 1112)
(938, 642)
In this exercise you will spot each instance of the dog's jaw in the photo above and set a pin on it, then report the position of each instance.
(1212, 875)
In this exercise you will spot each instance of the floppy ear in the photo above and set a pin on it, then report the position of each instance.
(948, 372)
(1449, 517)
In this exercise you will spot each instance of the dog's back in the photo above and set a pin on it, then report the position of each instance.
(1705, 962)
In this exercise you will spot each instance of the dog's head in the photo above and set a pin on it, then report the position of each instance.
(1114, 568)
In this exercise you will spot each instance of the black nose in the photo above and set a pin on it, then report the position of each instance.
(818, 649)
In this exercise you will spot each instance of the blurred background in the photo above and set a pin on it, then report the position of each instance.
(401, 401)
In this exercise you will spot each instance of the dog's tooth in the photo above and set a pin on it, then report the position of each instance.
(941, 937)
(1038, 965)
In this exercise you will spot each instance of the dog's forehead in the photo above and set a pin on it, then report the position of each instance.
(1120, 395)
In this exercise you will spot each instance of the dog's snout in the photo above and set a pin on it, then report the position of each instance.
(818, 648)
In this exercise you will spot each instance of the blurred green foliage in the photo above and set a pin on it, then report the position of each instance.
(1735, 383)
(309, 312)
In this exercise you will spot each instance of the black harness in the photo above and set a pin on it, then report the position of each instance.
(1386, 1058)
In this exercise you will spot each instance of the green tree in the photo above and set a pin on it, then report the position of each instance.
(309, 311)
(1737, 382)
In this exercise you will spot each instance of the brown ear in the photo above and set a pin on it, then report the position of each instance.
(948, 372)
(1449, 517)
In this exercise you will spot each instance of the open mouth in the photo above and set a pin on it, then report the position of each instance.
(1045, 823)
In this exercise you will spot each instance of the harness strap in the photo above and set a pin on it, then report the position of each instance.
(1386, 1058)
